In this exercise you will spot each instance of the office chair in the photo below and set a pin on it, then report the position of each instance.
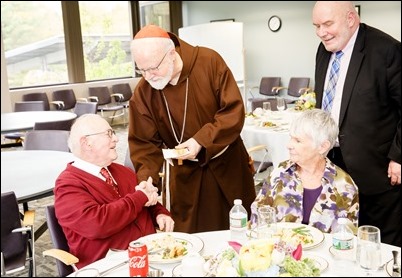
(259, 165)
(38, 97)
(82, 108)
(17, 239)
(296, 87)
(266, 86)
(64, 260)
(55, 140)
(102, 96)
(55, 125)
(65, 99)
(123, 93)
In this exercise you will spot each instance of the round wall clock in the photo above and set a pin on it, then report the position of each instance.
(274, 23)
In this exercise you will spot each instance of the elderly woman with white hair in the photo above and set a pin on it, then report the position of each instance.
(308, 188)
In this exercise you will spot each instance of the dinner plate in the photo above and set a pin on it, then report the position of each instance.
(319, 262)
(177, 271)
(389, 264)
(191, 242)
(317, 235)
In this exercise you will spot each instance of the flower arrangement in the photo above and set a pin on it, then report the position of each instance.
(306, 101)
(262, 258)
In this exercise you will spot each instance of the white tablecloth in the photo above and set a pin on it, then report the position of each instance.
(16, 121)
(214, 241)
(275, 138)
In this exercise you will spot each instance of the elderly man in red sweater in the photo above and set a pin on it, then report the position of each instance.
(98, 202)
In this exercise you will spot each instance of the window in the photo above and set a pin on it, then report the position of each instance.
(155, 12)
(106, 39)
(39, 52)
(34, 45)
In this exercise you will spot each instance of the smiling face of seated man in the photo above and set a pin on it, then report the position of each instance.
(92, 139)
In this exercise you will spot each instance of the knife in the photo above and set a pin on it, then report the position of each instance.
(396, 271)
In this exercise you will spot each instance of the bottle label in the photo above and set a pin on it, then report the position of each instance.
(238, 223)
(342, 244)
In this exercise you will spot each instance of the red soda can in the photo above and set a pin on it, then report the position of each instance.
(138, 259)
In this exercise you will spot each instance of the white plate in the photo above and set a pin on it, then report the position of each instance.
(388, 265)
(177, 271)
(320, 262)
(317, 235)
(193, 243)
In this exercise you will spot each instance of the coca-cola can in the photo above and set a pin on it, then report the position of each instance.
(138, 259)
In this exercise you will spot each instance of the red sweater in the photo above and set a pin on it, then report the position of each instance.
(94, 218)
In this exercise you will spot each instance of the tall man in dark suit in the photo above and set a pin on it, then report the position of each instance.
(367, 106)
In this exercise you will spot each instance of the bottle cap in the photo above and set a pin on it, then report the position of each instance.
(237, 202)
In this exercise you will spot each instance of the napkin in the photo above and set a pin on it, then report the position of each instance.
(168, 154)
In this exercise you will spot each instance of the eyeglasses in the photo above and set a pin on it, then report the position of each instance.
(144, 71)
(109, 132)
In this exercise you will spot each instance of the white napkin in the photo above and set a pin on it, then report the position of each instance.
(168, 154)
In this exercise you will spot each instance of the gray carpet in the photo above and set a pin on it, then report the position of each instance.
(46, 267)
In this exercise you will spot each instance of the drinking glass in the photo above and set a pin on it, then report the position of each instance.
(266, 106)
(280, 104)
(266, 227)
(368, 253)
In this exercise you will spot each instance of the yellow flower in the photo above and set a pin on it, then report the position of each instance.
(306, 101)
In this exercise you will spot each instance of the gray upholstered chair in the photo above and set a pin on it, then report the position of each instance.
(102, 96)
(17, 240)
(296, 87)
(82, 108)
(55, 140)
(65, 261)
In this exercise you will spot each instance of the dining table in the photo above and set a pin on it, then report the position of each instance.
(21, 121)
(332, 263)
(31, 174)
(270, 129)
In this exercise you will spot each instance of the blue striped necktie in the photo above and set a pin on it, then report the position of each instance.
(329, 93)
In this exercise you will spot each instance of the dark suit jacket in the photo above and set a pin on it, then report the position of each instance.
(370, 114)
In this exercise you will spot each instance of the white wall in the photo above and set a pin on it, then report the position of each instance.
(290, 51)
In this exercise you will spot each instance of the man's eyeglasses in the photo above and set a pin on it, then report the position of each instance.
(144, 71)
(109, 132)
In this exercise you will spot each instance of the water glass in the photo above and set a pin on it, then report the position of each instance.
(368, 253)
(280, 104)
(266, 227)
(266, 106)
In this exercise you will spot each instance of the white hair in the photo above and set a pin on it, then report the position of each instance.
(317, 124)
(83, 125)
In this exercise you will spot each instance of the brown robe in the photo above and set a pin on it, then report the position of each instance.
(201, 193)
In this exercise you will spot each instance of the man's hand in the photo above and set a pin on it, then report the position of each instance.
(394, 172)
(150, 190)
(165, 223)
(192, 146)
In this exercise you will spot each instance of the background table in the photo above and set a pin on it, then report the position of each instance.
(18, 121)
(32, 174)
(215, 241)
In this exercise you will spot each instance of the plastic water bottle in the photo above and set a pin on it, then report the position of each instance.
(238, 221)
(342, 237)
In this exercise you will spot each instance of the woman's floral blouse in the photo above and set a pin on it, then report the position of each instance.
(283, 190)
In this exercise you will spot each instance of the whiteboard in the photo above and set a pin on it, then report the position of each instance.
(226, 38)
